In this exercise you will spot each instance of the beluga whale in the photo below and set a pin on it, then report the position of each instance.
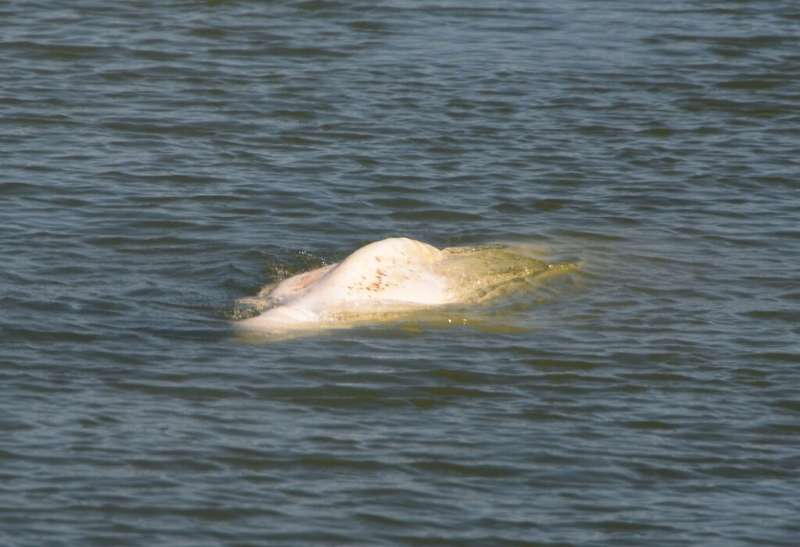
(390, 279)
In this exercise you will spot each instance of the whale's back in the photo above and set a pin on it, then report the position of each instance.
(396, 276)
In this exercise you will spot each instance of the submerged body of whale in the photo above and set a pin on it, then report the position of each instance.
(390, 276)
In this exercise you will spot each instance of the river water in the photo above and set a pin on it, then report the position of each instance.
(158, 161)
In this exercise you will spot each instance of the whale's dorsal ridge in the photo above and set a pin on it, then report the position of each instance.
(391, 270)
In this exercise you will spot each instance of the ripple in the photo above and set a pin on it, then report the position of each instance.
(162, 163)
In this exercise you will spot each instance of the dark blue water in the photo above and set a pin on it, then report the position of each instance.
(158, 161)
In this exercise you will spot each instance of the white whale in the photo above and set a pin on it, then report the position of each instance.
(391, 277)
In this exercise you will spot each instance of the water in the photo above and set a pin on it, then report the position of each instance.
(159, 161)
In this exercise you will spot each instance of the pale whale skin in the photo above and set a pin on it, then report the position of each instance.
(390, 276)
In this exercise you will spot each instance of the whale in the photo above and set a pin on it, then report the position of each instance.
(386, 279)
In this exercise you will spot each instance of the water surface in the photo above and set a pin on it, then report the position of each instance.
(159, 161)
